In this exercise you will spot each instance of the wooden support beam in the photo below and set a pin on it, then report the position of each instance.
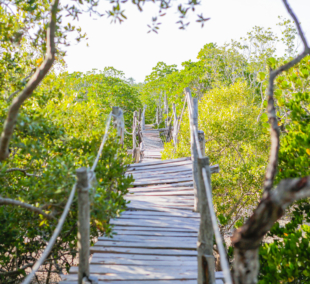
(83, 222)
(206, 264)
(193, 118)
(134, 138)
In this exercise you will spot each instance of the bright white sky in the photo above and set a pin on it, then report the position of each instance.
(129, 48)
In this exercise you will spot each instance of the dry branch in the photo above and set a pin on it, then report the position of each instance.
(275, 144)
(24, 171)
(8, 201)
(247, 239)
(35, 80)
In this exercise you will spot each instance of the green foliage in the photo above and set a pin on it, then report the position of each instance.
(287, 256)
(235, 141)
(59, 130)
(233, 80)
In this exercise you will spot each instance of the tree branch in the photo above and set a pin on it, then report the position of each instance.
(16, 92)
(35, 80)
(269, 210)
(274, 132)
(8, 201)
(19, 271)
(24, 171)
(247, 239)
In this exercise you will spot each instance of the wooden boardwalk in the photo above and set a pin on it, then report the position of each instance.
(157, 235)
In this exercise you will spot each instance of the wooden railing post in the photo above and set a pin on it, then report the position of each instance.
(206, 263)
(83, 222)
(157, 116)
(166, 110)
(202, 141)
(115, 111)
(193, 118)
(134, 134)
(143, 119)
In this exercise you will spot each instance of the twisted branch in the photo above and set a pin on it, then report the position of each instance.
(35, 80)
(8, 201)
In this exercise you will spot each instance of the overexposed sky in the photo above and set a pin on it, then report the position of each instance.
(129, 48)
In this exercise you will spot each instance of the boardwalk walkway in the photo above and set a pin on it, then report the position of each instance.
(156, 237)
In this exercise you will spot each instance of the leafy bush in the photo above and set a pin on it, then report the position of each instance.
(59, 130)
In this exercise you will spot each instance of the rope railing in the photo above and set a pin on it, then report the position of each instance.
(85, 177)
(205, 172)
(52, 240)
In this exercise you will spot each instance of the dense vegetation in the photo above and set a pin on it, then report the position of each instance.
(59, 130)
(230, 82)
(53, 122)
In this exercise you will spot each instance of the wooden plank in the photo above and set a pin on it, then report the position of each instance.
(72, 279)
(218, 281)
(164, 177)
(119, 272)
(158, 205)
(164, 210)
(158, 234)
(173, 172)
(118, 228)
(159, 163)
(177, 220)
(135, 205)
(156, 199)
(135, 262)
(167, 188)
(186, 168)
(163, 181)
(174, 213)
(149, 245)
(174, 252)
(155, 223)
(165, 193)
(135, 239)
(113, 258)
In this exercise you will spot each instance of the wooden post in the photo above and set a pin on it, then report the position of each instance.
(115, 111)
(202, 142)
(134, 136)
(166, 111)
(168, 138)
(157, 118)
(83, 222)
(175, 125)
(206, 263)
(193, 118)
(143, 119)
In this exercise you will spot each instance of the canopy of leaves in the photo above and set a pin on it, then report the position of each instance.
(59, 130)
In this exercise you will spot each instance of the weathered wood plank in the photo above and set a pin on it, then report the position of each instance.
(156, 223)
(101, 258)
(163, 181)
(148, 245)
(175, 252)
(157, 165)
(150, 239)
(172, 171)
(170, 213)
(164, 193)
(218, 281)
(159, 162)
(158, 234)
(122, 272)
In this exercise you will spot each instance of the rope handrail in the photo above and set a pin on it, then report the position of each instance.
(52, 241)
(64, 214)
(102, 143)
(218, 238)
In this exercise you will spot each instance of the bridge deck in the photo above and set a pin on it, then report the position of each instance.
(156, 237)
